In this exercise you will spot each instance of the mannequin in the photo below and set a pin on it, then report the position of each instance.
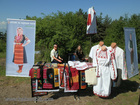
(113, 45)
(103, 48)
(101, 43)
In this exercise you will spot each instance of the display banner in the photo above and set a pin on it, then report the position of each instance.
(20, 49)
(131, 51)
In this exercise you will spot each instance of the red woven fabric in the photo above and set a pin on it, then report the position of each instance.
(89, 19)
(72, 80)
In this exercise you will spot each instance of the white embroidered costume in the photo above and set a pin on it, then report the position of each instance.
(120, 60)
(105, 71)
(90, 78)
(92, 54)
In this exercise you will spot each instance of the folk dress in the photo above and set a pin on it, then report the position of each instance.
(19, 50)
(105, 71)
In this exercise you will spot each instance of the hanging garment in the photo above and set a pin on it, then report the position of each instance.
(82, 83)
(105, 71)
(120, 60)
(71, 80)
(40, 73)
(33, 89)
(92, 54)
(50, 78)
(90, 76)
(91, 22)
(61, 68)
(35, 72)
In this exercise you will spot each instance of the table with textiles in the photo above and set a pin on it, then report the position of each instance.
(51, 77)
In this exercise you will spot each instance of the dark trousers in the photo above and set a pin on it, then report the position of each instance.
(118, 81)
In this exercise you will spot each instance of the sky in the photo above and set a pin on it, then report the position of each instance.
(16, 9)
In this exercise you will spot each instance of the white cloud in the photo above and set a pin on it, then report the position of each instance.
(3, 22)
(3, 25)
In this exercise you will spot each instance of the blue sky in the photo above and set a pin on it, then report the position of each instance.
(20, 8)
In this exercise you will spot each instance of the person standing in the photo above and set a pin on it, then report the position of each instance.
(55, 58)
(19, 49)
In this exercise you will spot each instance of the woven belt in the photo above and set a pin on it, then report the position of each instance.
(18, 43)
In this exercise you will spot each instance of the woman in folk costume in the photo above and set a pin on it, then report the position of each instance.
(105, 71)
(19, 49)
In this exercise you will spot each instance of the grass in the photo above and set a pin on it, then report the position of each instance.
(2, 54)
(3, 76)
(126, 94)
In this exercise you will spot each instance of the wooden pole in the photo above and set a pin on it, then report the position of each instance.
(90, 40)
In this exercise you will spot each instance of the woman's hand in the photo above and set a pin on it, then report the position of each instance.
(23, 45)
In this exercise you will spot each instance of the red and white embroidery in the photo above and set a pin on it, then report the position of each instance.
(100, 94)
(97, 64)
(103, 54)
(112, 58)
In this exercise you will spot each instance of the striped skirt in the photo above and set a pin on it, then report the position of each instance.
(19, 54)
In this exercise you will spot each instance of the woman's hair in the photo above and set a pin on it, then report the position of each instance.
(80, 49)
(18, 29)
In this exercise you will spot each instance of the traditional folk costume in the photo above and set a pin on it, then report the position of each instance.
(19, 50)
(92, 54)
(91, 22)
(105, 71)
(120, 60)
(90, 74)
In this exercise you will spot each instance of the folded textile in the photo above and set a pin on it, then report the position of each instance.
(80, 65)
(90, 76)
